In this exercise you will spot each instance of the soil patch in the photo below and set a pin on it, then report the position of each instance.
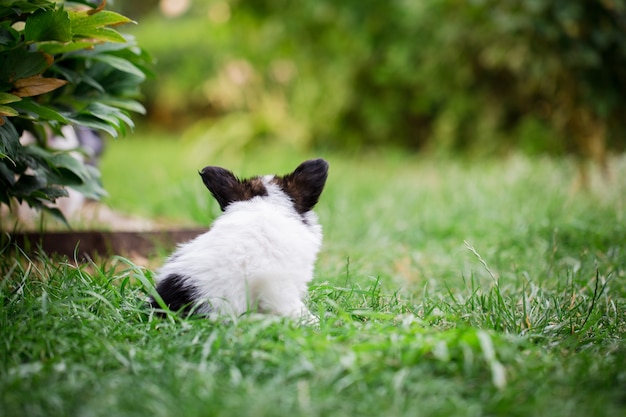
(97, 243)
(98, 231)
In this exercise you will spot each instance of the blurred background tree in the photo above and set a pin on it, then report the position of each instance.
(480, 76)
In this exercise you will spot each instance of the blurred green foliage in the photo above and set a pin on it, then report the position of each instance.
(443, 75)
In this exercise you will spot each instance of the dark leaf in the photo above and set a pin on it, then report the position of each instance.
(65, 161)
(9, 140)
(4, 197)
(19, 7)
(28, 184)
(125, 104)
(57, 214)
(93, 187)
(40, 111)
(8, 35)
(120, 64)
(109, 114)
(94, 123)
(7, 176)
(48, 26)
(19, 63)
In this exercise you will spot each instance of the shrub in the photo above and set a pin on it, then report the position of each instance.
(60, 65)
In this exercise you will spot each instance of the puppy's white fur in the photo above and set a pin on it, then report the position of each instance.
(259, 255)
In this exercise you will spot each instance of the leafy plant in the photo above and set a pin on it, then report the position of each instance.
(60, 65)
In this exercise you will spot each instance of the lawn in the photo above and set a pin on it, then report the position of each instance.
(445, 287)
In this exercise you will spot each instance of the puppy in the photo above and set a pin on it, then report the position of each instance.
(258, 255)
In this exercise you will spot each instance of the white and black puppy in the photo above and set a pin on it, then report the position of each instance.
(258, 255)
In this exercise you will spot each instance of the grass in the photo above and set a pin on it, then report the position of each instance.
(444, 288)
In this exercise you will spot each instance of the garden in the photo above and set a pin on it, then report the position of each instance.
(474, 252)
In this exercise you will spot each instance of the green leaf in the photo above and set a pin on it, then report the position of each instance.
(106, 34)
(8, 35)
(21, 7)
(65, 177)
(19, 63)
(77, 77)
(124, 104)
(8, 111)
(8, 134)
(85, 19)
(51, 193)
(49, 25)
(94, 123)
(6, 98)
(6, 174)
(27, 184)
(120, 64)
(112, 115)
(93, 187)
(9, 140)
(65, 170)
(40, 111)
(94, 25)
(65, 161)
(90, 81)
(55, 48)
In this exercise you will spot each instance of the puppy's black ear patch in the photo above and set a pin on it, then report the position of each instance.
(305, 184)
(227, 188)
(222, 184)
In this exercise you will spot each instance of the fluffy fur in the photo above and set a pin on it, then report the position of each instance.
(258, 255)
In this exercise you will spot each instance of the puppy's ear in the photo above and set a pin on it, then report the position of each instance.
(227, 188)
(305, 184)
(222, 184)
